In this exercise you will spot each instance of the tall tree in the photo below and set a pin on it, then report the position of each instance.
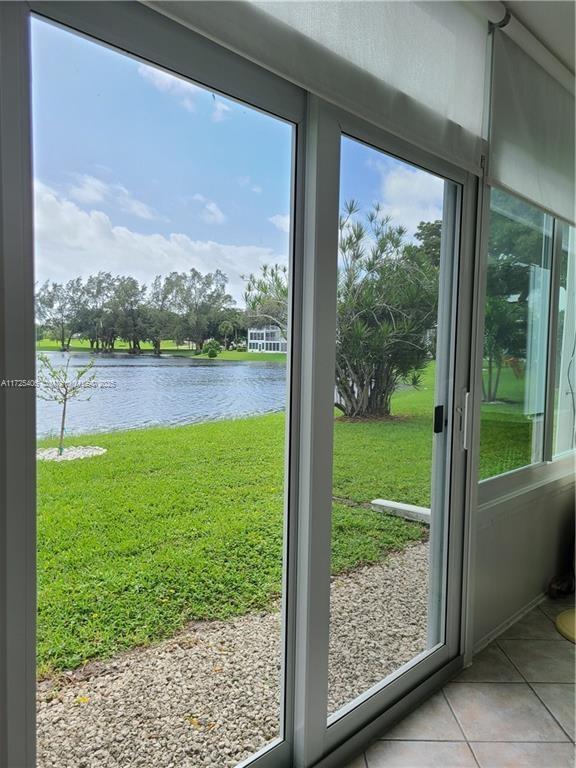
(127, 305)
(200, 299)
(226, 329)
(58, 307)
(96, 320)
(160, 310)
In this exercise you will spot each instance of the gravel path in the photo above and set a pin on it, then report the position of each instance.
(209, 697)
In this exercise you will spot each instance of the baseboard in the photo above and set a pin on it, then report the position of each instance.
(487, 639)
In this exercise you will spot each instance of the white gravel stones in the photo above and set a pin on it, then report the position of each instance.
(210, 696)
(378, 621)
(70, 453)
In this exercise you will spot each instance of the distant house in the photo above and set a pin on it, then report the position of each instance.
(268, 339)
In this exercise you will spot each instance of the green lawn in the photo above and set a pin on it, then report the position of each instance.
(505, 437)
(174, 524)
(83, 345)
(185, 523)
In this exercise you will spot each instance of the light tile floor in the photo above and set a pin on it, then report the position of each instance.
(513, 708)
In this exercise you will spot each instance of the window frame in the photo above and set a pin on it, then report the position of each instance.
(140, 32)
(551, 468)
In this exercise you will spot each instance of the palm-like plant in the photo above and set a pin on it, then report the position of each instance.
(386, 310)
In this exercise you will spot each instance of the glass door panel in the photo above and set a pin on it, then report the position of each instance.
(163, 383)
(393, 352)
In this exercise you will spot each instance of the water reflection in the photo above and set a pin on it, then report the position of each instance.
(148, 391)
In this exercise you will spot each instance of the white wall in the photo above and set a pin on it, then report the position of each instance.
(521, 543)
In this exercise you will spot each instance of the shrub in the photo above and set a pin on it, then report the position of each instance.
(212, 348)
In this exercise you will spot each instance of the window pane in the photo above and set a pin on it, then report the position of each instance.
(515, 335)
(161, 483)
(565, 390)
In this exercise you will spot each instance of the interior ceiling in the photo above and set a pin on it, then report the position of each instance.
(552, 22)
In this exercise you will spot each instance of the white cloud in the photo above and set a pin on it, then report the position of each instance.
(70, 242)
(220, 111)
(410, 196)
(280, 222)
(211, 213)
(246, 181)
(88, 190)
(136, 207)
(165, 82)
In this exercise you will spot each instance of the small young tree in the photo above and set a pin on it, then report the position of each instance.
(58, 384)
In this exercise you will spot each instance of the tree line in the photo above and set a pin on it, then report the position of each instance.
(182, 306)
(386, 307)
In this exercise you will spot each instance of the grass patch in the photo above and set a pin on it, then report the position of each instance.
(172, 524)
(243, 357)
(182, 523)
(168, 348)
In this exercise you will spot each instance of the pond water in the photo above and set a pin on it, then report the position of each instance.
(145, 391)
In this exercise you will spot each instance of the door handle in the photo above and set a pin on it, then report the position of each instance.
(438, 419)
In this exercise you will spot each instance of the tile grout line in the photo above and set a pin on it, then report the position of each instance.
(510, 660)
(550, 619)
(531, 687)
(541, 700)
(459, 724)
(454, 715)
(524, 741)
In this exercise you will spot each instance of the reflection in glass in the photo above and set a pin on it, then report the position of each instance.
(565, 389)
(515, 335)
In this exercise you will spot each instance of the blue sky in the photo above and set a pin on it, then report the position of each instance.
(139, 172)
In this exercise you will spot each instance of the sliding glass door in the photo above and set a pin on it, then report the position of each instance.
(251, 337)
(392, 401)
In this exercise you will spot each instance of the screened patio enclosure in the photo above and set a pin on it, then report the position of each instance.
(410, 164)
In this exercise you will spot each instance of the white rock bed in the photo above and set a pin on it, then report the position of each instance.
(209, 697)
(70, 453)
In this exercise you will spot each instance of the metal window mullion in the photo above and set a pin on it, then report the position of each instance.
(476, 390)
(551, 353)
(321, 183)
(17, 417)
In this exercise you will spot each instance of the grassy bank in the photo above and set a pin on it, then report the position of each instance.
(261, 357)
(168, 348)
